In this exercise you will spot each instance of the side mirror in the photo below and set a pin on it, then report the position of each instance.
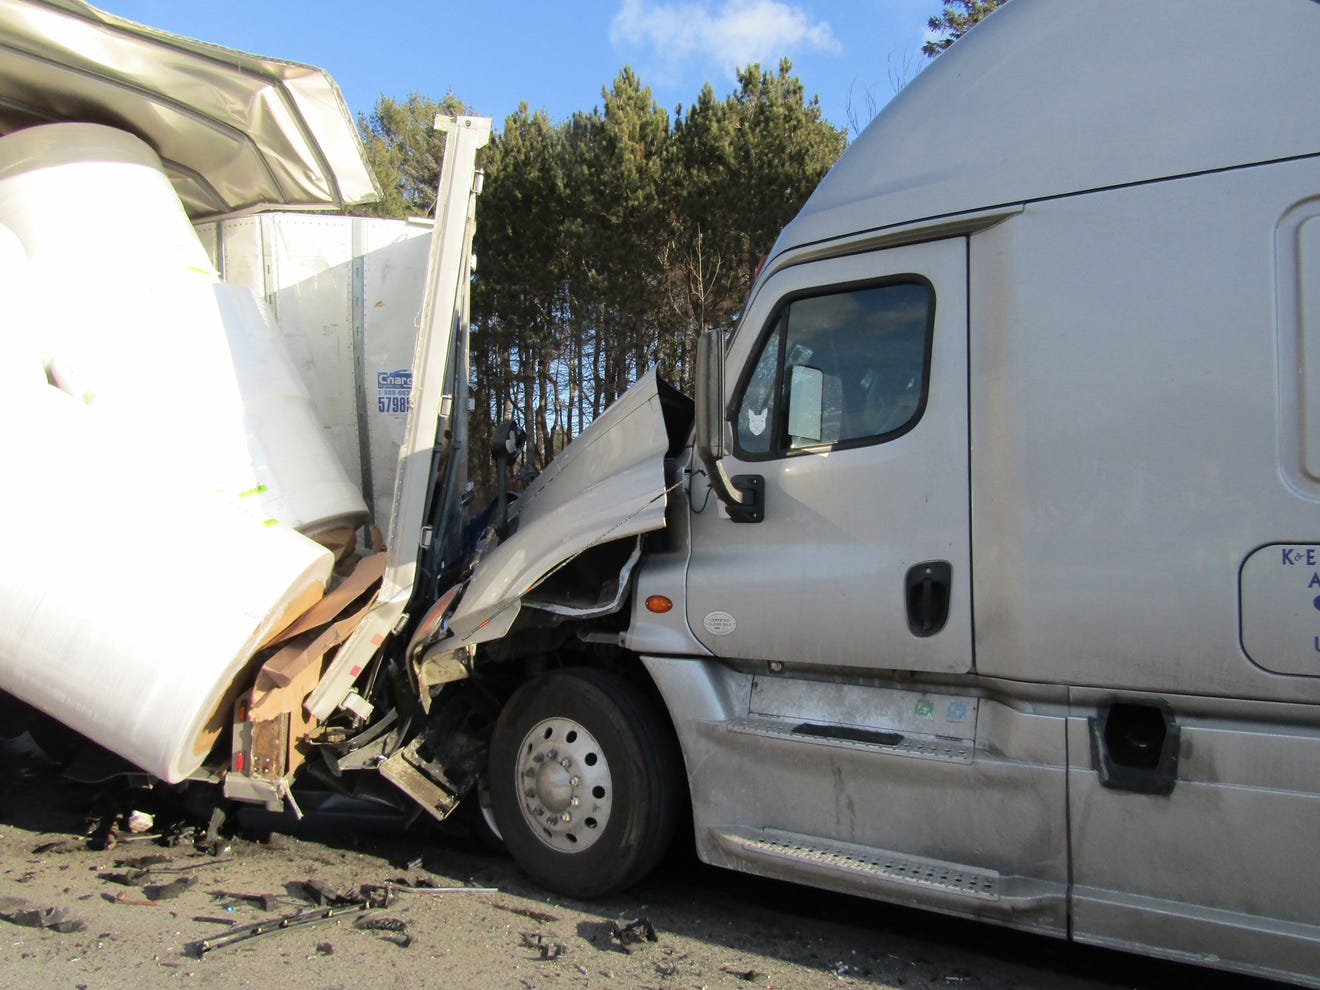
(710, 396)
(743, 496)
(505, 445)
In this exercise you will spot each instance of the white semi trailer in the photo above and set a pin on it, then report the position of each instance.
(983, 574)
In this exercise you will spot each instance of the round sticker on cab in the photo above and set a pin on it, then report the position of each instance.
(719, 623)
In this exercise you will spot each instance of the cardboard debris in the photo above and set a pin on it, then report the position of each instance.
(365, 573)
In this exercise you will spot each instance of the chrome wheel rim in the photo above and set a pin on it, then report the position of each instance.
(565, 791)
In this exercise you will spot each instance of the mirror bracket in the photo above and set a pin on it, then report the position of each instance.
(751, 509)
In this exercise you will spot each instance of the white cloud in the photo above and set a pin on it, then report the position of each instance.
(728, 34)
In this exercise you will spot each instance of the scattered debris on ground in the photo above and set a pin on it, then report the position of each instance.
(168, 891)
(540, 917)
(246, 932)
(395, 929)
(634, 932)
(380, 924)
(96, 918)
(542, 945)
(17, 911)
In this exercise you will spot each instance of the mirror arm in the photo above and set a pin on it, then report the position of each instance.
(744, 495)
(721, 484)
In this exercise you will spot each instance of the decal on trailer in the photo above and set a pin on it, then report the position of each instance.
(394, 391)
(1280, 601)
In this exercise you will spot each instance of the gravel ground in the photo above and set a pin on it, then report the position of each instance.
(140, 912)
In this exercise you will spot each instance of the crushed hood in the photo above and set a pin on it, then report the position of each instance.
(234, 131)
(607, 485)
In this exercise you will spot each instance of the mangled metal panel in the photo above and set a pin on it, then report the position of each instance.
(608, 485)
(435, 381)
(235, 131)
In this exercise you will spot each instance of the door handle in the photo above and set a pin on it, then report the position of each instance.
(928, 588)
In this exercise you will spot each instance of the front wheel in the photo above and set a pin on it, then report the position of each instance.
(585, 781)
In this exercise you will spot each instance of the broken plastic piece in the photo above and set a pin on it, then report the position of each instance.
(56, 919)
(139, 822)
(168, 891)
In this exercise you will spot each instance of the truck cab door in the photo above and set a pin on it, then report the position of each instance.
(847, 386)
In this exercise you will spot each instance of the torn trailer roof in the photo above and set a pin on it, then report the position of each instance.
(235, 132)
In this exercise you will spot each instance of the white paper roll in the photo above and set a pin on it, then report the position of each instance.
(73, 190)
(140, 577)
(302, 482)
(134, 322)
(129, 611)
(20, 363)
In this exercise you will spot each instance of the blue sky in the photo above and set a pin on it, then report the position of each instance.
(557, 55)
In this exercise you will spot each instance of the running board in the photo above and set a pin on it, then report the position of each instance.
(1028, 903)
(848, 737)
(824, 855)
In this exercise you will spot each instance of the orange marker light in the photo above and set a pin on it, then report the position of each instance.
(658, 604)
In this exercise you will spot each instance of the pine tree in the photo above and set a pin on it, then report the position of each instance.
(956, 19)
(405, 151)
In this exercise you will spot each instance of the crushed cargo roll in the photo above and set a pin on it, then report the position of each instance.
(163, 454)
(133, 320)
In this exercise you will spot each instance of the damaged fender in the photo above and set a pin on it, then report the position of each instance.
(607, 485)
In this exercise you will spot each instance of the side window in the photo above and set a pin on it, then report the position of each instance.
(755, 419)
(841, 368)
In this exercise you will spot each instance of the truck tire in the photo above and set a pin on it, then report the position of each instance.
(585, 781)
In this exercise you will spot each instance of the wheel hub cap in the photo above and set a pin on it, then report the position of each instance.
(564, 785)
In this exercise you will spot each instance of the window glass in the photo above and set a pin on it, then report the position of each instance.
(838, 368)
(755, 419)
